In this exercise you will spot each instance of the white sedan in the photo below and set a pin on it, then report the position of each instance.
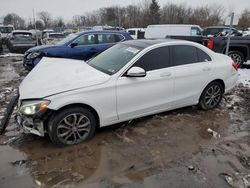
(69, 99)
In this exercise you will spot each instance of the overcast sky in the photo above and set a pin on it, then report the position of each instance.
(68, 8)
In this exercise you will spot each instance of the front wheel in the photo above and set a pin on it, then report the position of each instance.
(238, 57)
(211, 96)
(72, 126)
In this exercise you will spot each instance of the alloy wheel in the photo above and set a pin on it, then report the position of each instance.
(73, 129)
(213, 96)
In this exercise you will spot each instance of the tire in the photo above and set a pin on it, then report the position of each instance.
(238, 57)
(72, 126)
(211, 96)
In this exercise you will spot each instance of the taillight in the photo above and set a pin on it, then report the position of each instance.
(210, 44)
(235, 66)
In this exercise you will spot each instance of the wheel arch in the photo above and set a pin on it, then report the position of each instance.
(216, 80)
(90, 108)
(201, 103)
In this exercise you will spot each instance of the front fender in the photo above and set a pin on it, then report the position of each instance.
(102, 100)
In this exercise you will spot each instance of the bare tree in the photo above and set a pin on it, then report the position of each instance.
(244, 21)
(175, 14)
(14, 19)
(79, 20)
(45, 17)
(58, 22)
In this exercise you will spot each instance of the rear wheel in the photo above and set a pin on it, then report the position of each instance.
(238, 57)
(72, 126)
(211, 96)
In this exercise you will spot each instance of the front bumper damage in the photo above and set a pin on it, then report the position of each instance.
(34, 124)
(31, 125)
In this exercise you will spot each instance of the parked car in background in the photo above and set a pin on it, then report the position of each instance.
(1, 43)
(21, 41)
(246, 32)
(163, 31)
(45, 31)
(218, 31)
(52, 38)
(107, 27)
(69, 99)
(82, 45)
(5, 30)
(136, 33)
(36, 33)
(239, 49)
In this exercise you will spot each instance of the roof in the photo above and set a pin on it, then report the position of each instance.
(101, 31)
(173, 25)
(144, 43)
(21, 31)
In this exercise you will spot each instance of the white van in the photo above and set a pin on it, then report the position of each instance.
(163, 31)
(136, 33)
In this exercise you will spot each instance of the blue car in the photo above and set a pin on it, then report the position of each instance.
(82, 46)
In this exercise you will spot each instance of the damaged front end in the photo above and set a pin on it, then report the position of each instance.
(32, 116)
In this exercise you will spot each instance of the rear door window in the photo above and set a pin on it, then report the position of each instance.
(185, 54)
(203, 56)
(109, 38)
(155, 59)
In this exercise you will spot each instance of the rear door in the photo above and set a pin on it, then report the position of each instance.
(138, 96)
(106, 40)
(193, 71)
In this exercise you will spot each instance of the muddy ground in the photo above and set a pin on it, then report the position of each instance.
(181, 148)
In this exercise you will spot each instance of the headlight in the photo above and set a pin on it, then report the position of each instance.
(33, 55)
(33, 107)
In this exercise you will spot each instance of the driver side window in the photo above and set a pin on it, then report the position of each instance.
(155, 59)
(86, 40)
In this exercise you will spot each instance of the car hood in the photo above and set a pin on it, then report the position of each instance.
(57, 75)
(43, 47)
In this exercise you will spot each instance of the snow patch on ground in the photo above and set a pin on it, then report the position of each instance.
(11, 55)
(247, 63)
(244, 77)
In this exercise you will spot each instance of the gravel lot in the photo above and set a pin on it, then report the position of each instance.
(181, 148)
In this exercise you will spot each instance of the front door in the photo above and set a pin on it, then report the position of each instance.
(138, 96)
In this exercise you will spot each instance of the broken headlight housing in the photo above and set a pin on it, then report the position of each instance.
(30, 108)
(33, 55)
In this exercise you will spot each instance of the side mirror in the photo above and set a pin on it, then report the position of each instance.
(72, 45)
(136, 72)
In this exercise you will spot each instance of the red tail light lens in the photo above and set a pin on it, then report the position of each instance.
(235, 66)
(210, 44)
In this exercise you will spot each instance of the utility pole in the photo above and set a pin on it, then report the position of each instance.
(230, 30)
(35, 26)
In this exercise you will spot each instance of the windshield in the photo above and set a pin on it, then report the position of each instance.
(113, 59)
(6, 29)
(67, 39)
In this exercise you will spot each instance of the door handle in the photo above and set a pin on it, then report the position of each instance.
(165, 74)
(206, 69)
